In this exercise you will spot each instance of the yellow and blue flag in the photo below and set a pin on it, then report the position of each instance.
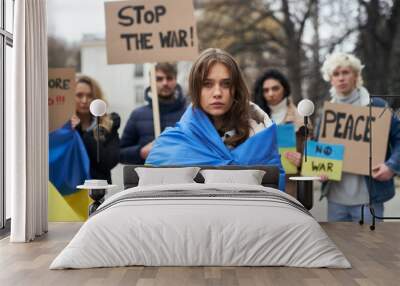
(287, 142)
(195, 141)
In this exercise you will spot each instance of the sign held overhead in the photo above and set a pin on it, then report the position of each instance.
(150, 31)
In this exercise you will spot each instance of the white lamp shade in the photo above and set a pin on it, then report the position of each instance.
(98, 107)
(305, 107)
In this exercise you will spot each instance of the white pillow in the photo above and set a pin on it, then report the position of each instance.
(248, 177)
(166, 176)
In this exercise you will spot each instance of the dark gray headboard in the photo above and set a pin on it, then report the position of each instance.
(270, 179)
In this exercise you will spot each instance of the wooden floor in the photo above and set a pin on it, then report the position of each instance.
(374, 255)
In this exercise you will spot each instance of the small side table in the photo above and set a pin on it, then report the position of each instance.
(97, 190)
(305, 193)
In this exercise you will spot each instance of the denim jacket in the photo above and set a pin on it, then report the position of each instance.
(382, 191)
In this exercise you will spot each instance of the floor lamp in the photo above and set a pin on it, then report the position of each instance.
(305, 108)
(98, 108)
(305, 184)
(371, 209)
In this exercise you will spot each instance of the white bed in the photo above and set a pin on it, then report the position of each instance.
(203, 225)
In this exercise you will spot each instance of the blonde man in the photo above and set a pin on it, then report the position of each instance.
(345, 198)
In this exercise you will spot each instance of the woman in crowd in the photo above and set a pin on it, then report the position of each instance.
(221, 127)
(271, 92)
(87, 90)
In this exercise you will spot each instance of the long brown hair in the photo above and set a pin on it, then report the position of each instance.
(105, 120)
(238, 116)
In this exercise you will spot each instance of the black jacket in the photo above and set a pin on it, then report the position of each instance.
(109, 149)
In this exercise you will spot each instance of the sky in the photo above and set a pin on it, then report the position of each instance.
(71, 19)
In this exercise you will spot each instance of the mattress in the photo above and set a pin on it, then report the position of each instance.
(201, 225)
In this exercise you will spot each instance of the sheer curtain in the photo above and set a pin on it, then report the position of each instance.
(27, 123)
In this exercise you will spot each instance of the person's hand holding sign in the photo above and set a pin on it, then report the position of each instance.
(75, 121)
(382, 172)
(323, 178)
(294, 157)
(144, 152)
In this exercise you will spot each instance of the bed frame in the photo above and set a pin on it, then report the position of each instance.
(270, 179)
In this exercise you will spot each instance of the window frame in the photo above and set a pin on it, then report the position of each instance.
(139, 71)
(139, 94)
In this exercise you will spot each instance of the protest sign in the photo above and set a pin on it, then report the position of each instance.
(287, 142)
(323, 159)
(61, 100)
(150, 31)
(349, 125)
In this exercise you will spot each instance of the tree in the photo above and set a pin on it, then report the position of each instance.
(379, 46)
(270, 33)
(61, 54)
(295, 36)
(236, 26)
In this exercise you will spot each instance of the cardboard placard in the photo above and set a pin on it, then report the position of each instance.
(323, 159)
(150, 31)
(287, 142)
(349, 125)
(61, 99)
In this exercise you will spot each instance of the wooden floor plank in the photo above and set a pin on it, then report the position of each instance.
(374, 255)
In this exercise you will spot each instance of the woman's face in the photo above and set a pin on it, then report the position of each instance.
(344, 80)
(216, 98)
(273, 91)
(83, 97)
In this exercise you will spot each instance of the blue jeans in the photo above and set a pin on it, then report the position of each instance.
(339, 212)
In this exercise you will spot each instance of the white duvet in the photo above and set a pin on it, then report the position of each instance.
(185, 230)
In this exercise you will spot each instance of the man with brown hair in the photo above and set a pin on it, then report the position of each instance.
(138, 135)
